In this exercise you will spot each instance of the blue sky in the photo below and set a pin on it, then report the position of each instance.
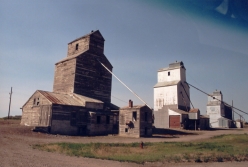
(141, 37)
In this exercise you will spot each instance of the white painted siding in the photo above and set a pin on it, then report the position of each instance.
(165, 96)
(164, 77)
(214, 113)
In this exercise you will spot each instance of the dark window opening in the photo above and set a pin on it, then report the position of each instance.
(77, 46)
(126, 129)
(98, 119)
(168, 73)
(134, 116)
(38, 101)
(34, 102)
(146, 116)
(107, 119)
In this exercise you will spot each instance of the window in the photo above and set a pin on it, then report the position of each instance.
(77, 46)
(134, 116)
(36, 101)
(107, 119)
(146, 116)
(98, 119)
(126, 130)
(168, 73)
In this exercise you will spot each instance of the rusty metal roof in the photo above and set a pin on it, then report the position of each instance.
(194, 110)
(68, 99)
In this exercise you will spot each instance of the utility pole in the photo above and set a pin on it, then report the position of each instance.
(10, 101)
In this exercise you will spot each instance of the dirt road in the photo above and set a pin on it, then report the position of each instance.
(16, 148)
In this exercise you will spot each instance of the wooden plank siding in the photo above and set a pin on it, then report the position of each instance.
(31, 110)
(64, 76)
(66, 119)
(98, 123)
(92, 79)
(135, 125)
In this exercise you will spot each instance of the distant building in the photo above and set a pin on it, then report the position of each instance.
(219, 113)
(135, 121)
(171, 97)
(80, 103)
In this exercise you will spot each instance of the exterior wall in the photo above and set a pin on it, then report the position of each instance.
(182, 74)
(139, 127)
(67, 119)
(96, 43)
(91, 78)
(214, 113)
(165, 96)
(126, 116)
(64, 76)
(102, 127)
(63, 127)
(204, 124)
(145, 122)
(183, 100)
(94, 105)
(173, 76)
(78, 46)
(228, 112)
(32, 110)
(161, 118)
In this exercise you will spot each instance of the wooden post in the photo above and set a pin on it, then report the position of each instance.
(10, 101)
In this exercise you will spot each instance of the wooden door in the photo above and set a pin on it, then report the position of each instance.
(174, 121)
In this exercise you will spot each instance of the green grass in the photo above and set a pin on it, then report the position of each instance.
(217, 149)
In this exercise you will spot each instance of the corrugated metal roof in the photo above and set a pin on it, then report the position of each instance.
(68, 99)
(161, 84)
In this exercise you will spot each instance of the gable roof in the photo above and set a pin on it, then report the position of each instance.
(66, 99)
(97, 32)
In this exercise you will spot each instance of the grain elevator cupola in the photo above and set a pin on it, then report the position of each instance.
(81, 73)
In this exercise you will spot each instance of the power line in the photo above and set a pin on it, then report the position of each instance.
(118, 99)
(217, 99)
(123, 84)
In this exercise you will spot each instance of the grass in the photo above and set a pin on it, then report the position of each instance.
(217, 149)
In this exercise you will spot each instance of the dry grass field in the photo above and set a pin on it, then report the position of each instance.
(17, 147)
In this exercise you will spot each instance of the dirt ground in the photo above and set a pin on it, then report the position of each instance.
(16, 148)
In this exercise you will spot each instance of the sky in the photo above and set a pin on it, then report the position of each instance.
(141, 36)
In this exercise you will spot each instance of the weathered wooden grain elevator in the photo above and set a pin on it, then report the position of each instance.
(80, 103)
